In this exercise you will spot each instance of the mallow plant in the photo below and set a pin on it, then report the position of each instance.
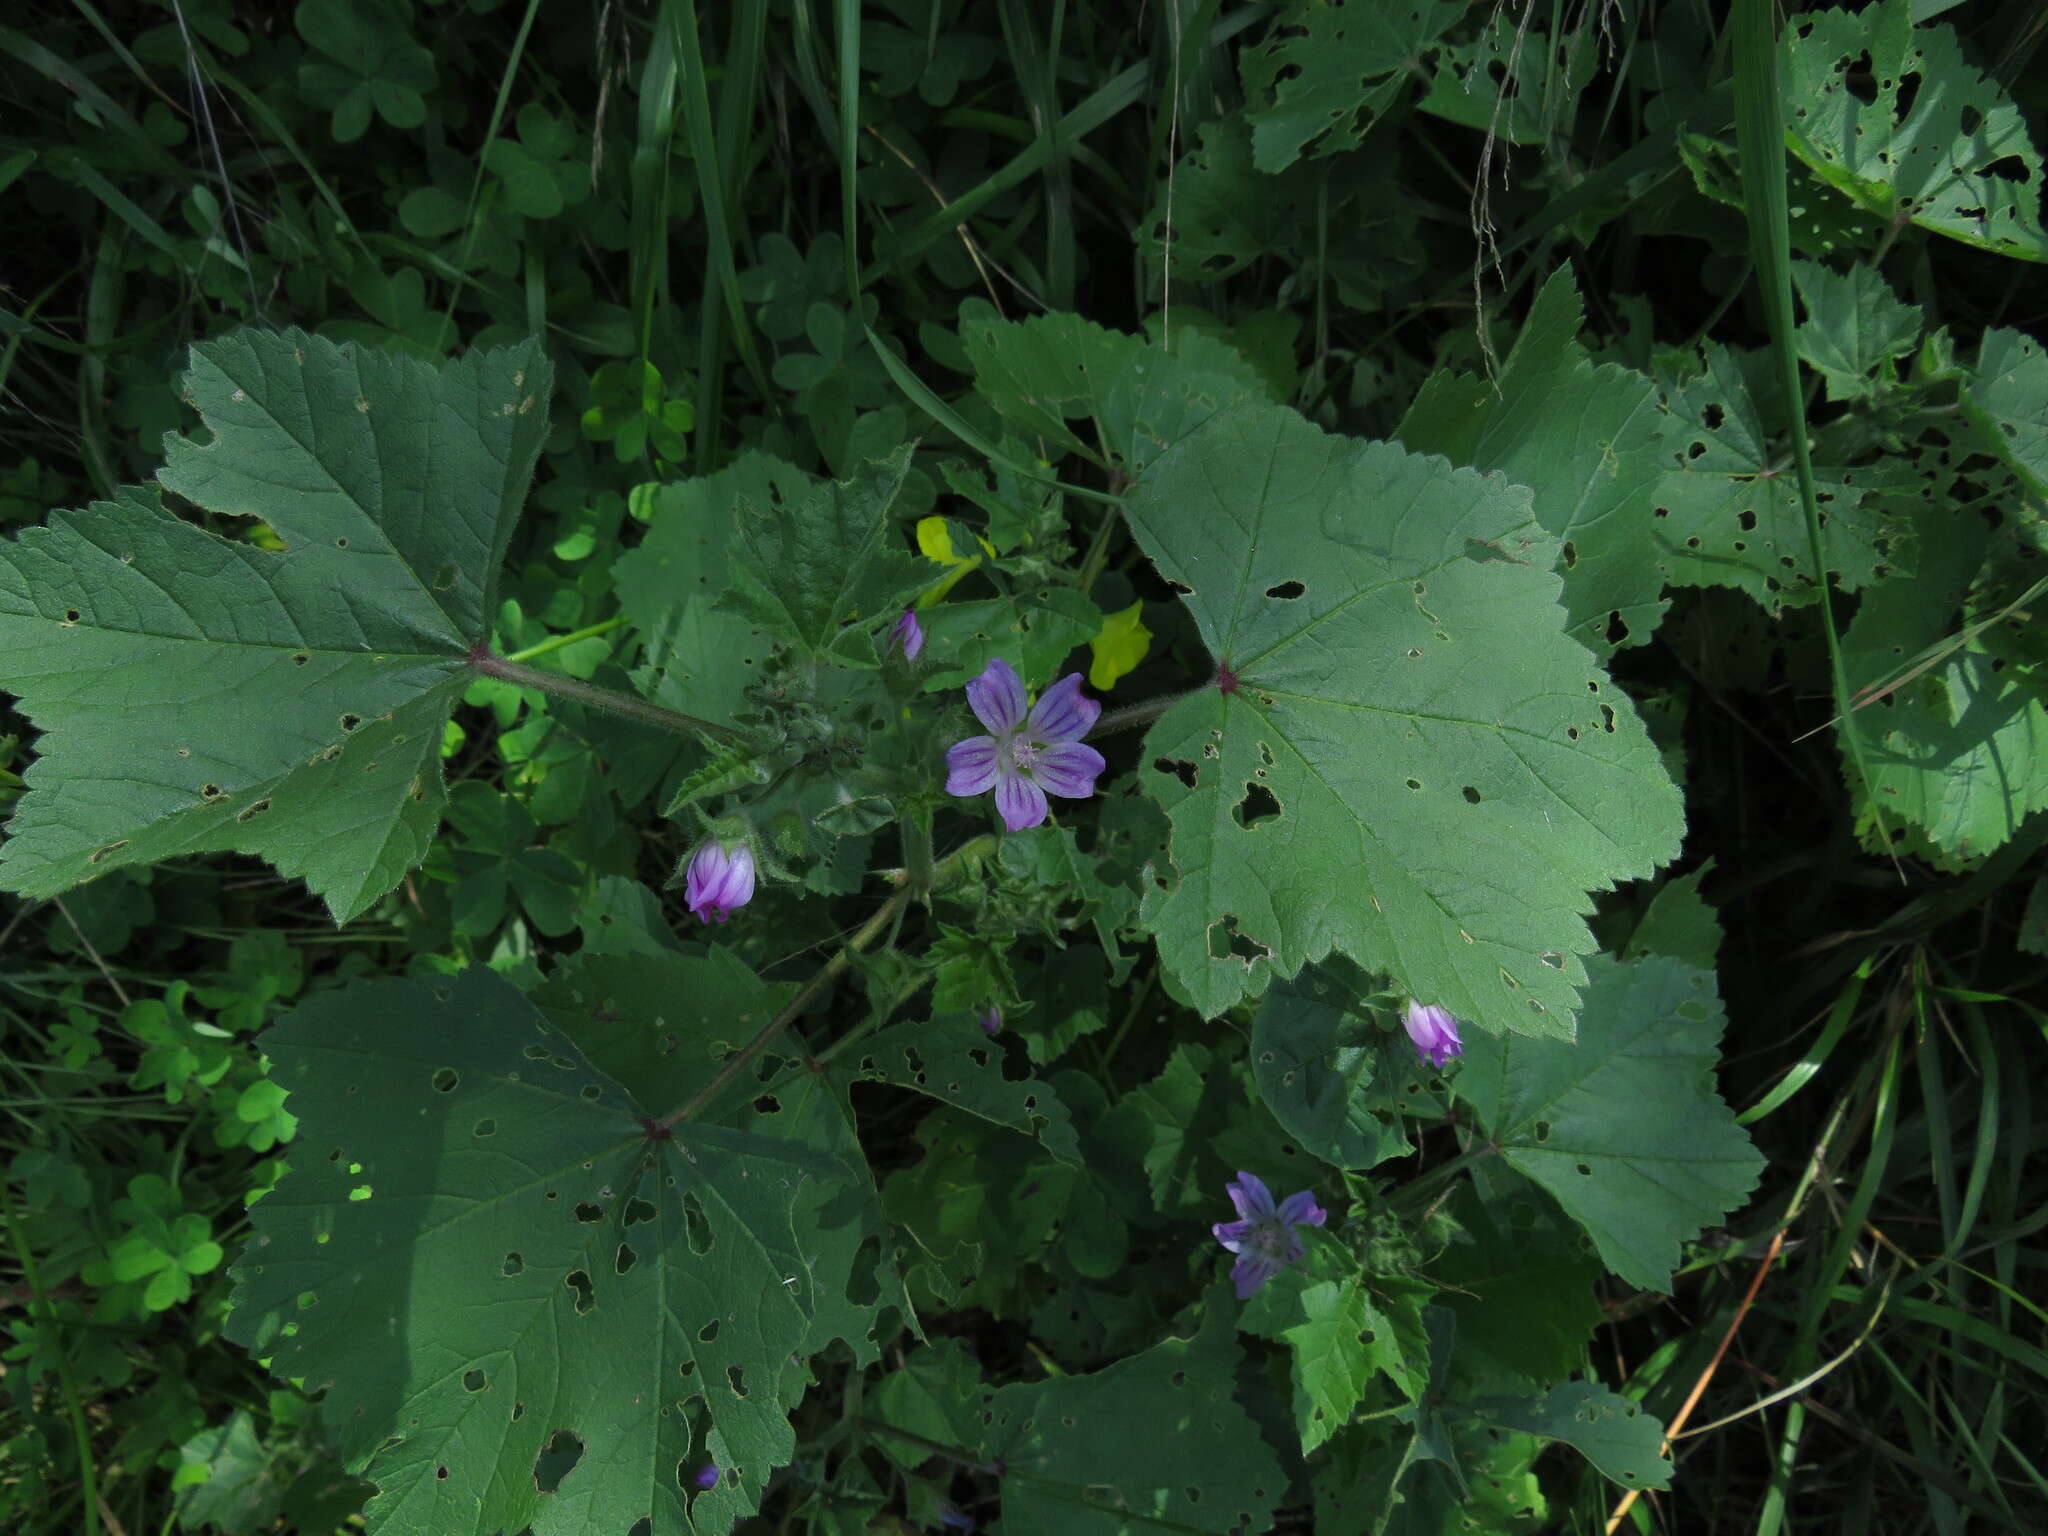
(1128, 802)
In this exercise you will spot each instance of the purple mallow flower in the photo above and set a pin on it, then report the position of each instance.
(1434, 1032)
(719, 881)
(908, 635)
(1025, 757)
(990, 1020)
(1264, 1240)
(707, 1475)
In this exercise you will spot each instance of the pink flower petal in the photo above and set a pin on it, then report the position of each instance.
(1021, 802)
(1063, 712)
(1068, 769)
(971, 766)
(997, 697)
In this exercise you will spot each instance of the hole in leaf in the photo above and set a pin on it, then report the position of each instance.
(695, 1226)
(485, 1127)
(1258, 805)
(738, 1380)
(445, 1080)
(1286, 591)
(1179, 767)
(556, 1461)
(1472, 796)
(514, 1264)
(350, 722)
(638, 1210)
(586, 1295)
(627, 1258)
(586, 1212)
(708, 1334)
(474, 1381)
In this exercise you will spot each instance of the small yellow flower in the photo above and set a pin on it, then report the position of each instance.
(1118, 647)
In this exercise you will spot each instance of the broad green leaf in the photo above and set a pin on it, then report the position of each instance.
(700, 657)
(1954, 156)
(662, 1025)
(226, 1478)
(1034, 628)
(1855, 328)
(1194, 1126)
(494, 1271)
(2007, 398)
(1521, 1283)
(1679, 923)
(1317, 1052)
(1137, 398)
(951, 1059)
(822, 573)
(1469, 83)
(1728, 513)
(1405, 758)
(1624, 1443)
(200, 695)
(1624, 1127)
(1340, 1335)
(1325, 73)
(1587, 440)
(1154, 1443)
(1961, 750)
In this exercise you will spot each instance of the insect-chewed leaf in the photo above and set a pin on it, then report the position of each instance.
(494, 1270)
(1405, 757)
(1934, 142)
(198, 694)
(1624, 1127)
(1156, 1442)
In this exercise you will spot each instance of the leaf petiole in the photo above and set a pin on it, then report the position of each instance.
(490, 664)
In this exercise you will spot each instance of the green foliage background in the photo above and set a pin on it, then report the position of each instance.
(734, 278)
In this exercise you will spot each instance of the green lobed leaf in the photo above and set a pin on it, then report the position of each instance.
(1407, 760)
(1624, 1127)
(1961, 750)
(1521, 1284)
(1587, 440)
(950, 1059)
(1728, 512)
(2007, 398)
(201, 695)
(1154, 1443)
(1325, 73)
(823, 572)
(492, 1270)
(1955, 158)
(1137, 397)
(1624, 1443)
(1317, 1053)
(1855, 328)
(1340, 1335)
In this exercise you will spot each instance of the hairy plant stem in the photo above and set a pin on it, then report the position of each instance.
(826, 975)
(1144, 712)
(609, 700)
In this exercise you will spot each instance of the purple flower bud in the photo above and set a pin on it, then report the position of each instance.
(707, 1475)
(719, 881)
(1434, 1032)
(953, 1520)
(1264, 1239)
(908, 635)
(991, 1021)
(1026, 757)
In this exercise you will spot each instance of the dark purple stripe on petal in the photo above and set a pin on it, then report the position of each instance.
(1068, 769)
(1021, 802)
(971, 766)
(1063, 712)
(997, 697)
